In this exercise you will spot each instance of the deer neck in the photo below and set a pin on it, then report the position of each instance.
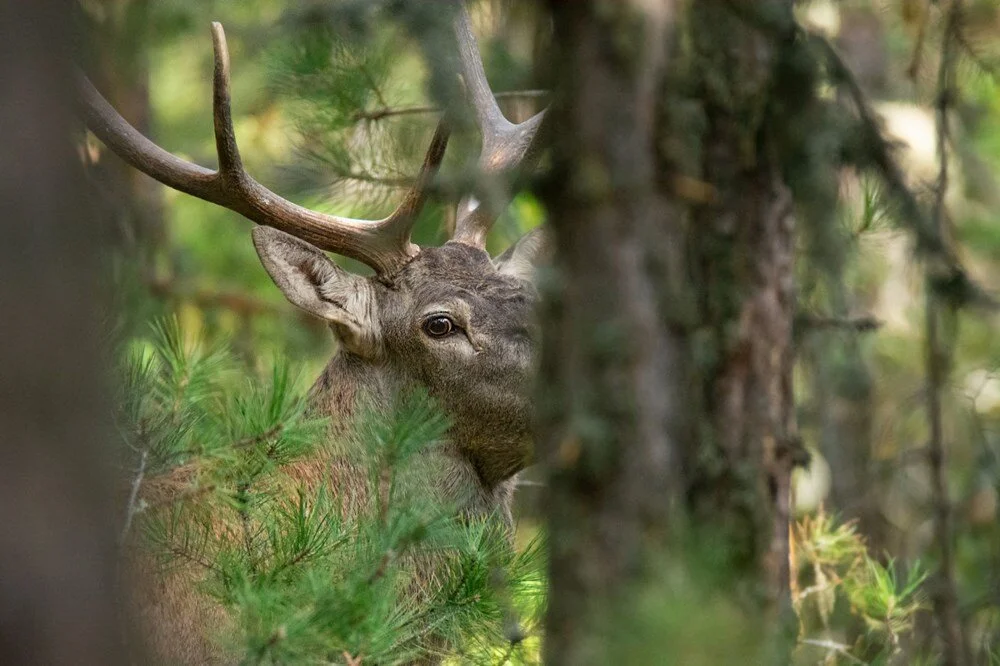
(348, 380)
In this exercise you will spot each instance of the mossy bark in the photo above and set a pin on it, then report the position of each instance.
(608, 363)
(667, 372)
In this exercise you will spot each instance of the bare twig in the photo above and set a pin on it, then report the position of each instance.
(976, 57)
(863, 324)
(374, 85)
(350, 660)
(838, 648)
(918, 49)
(238, 302)
(945, 595)
(133, 496)
(388, 111)
(191, 493)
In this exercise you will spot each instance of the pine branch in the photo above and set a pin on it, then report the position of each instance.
(948, 274)
(295, 559)
(243, 500)
(248, 442)
(287, 553)
(880, 148)
(189, 556)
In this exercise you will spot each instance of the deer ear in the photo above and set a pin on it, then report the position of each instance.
(308, 279)
(523, 257)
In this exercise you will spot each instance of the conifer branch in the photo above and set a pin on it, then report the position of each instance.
(243, 509)
(880, 150)
(948, 273)
(248, 442)
(188, 556)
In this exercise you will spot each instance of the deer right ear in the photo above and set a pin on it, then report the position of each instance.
(308, 279)
(523, 257)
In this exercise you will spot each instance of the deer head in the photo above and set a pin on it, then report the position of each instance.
(451, 319)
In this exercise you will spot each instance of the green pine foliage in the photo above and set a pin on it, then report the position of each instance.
(305, 579)
(840, 583)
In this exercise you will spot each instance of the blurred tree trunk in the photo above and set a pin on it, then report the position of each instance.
(57, 552)
(608, 363)
(127, 199)
(634, 433)
(844, 400)
(861, 40)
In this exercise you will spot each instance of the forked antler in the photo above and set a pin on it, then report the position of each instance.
(382, 244)
(507, 147)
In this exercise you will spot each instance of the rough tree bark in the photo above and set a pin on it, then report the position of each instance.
(57, 543)
(742, 263)
(607, 361)
(628, 444)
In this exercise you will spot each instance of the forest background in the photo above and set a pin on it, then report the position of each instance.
(332, 108)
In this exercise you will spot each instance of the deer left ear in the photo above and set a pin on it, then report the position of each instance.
(523, 257)
(307, 278)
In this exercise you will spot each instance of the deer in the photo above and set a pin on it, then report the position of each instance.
(450, 320)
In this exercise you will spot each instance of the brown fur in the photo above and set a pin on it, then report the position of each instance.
(480, 376)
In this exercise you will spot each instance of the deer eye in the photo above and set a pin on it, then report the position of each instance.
(439, 326)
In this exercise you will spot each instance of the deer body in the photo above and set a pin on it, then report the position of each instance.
(450, 320)
(479, 373)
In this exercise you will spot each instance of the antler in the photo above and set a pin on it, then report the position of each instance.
(382, 244)
(507, 147)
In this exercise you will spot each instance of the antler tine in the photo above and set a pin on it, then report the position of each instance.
(507, 147)
(230, 163)
(382, 244)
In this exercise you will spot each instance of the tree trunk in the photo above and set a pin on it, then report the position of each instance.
(129, 202)
(843, 397)
(650, 252)
(57, 551)
(743, 260)
(607, 361)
